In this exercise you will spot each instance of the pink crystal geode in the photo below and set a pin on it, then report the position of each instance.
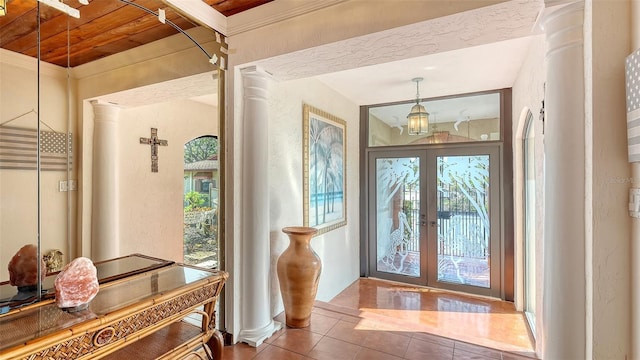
(23, 267)
(76, 284)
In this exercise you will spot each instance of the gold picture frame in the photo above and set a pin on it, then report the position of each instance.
(324, 170)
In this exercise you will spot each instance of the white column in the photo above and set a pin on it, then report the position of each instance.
(564, 289)
(104, 218)
(255, 318)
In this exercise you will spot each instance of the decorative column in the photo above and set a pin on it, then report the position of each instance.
(104, 219)
(564, 290)
(256, 323)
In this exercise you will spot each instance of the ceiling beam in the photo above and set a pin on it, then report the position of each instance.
(201, 13)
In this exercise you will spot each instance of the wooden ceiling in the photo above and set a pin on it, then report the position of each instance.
(105, 27)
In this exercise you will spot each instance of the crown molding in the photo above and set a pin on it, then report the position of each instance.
(273, 12)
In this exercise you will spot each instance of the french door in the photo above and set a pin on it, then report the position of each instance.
(434, 217)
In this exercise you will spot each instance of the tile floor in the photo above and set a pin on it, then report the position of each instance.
(379, 320)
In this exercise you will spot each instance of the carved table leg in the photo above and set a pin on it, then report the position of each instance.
(216, 343)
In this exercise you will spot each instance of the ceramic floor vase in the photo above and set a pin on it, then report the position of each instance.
(298, 272)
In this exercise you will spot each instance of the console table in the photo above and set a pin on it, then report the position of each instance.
(126, 309)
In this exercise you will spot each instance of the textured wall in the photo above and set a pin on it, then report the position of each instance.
(609, 23)
(344, 36)
(339, 249)
(635, 235)
(151, 215)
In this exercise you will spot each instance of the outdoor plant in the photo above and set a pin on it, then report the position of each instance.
(200, 229)
(194, 201)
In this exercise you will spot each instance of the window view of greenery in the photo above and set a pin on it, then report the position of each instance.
(201, 179)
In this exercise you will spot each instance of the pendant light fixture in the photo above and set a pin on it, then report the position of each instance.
(418, 118)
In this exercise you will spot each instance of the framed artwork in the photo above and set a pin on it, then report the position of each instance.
(324, 170)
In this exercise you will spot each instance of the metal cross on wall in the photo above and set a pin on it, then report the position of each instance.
(154, 142)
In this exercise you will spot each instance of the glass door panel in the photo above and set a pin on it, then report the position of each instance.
(467, 226)
(397, 247)
(463, 219)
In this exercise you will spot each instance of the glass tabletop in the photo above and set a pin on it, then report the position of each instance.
(145, 286)
(11, 297)
(31, 323)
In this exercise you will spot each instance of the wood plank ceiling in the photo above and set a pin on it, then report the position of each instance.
(105, 27)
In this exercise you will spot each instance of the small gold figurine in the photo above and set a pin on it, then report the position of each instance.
(53, 260)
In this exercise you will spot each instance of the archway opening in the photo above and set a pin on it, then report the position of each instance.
(200, 202)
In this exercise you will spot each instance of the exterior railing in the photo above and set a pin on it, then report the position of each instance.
(461, 232)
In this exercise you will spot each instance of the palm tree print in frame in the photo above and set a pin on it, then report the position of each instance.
(324, 148)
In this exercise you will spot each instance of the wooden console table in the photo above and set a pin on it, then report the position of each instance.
(125, 310)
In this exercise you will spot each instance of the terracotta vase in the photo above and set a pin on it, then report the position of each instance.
(298, 272)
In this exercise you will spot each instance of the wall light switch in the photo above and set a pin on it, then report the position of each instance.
(62, 185)
(73, 185)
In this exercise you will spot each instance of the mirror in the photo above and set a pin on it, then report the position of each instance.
(35, 140)
(50, 204)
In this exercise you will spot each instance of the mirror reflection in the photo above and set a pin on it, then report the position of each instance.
(36, 156)
(114, 53)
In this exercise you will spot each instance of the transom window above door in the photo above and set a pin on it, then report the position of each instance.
(452, 119)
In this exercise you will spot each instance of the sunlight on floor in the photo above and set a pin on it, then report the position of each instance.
(478, 320)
